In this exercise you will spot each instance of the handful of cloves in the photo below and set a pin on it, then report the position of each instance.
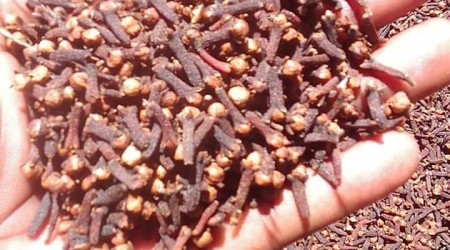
(180, 113)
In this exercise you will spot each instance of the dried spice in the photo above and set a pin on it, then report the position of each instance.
(41, 215)
(153, 118)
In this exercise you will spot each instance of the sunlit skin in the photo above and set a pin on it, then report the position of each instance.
(371, 169)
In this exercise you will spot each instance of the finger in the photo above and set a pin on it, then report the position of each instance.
(24, 243)
(10, 228)
(383, 12)
(13, 7)
(371, 170)
(423, 53)
(14, 188)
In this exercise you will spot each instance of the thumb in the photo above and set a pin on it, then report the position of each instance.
(370, 170)
(14, 188)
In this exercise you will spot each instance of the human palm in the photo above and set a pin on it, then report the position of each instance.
(371, 169)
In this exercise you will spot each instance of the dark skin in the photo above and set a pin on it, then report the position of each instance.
(371, 169)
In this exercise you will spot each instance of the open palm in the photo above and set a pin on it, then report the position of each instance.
(371, 169)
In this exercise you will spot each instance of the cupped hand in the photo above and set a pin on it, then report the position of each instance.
(371, 169)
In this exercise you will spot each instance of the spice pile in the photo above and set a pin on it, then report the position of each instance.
(180, 114)
(417, 215)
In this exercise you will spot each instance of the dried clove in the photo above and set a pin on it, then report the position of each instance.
(155, 136)
(41, 215)
(277, 108)
(202, 131)
(169, 137)
(165, 11)
(189, 124)
(328, 47)
(113, 22)
(216, 10)
(229, 143)
(241, 195)
(97, 220)
(207, 214)
(53, 218)
(179, 86)
(298, 190)
(137, 134)
(131, 181)
(72, 140)
(68, 56)
(110, 196)
(105, 32)
(272, 137)
(383, 69)
(186, 60)
(240, 123)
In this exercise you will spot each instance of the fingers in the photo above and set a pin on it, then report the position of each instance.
(14, 188)
(385, 12)
(422, 52)
(371, 170)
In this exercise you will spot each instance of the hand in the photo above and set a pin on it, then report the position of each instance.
(371, 169)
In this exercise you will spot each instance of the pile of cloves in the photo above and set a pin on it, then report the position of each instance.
(180, 114)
